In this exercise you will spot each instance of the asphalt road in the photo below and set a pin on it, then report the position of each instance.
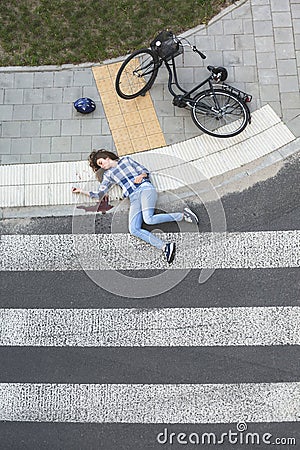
(269, 205)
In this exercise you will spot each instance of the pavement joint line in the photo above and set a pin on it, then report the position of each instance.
(150, 403)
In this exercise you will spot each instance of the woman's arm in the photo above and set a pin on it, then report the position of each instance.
(138, 167)
(103, 188)
(98, 195)
(143, 172)
(80, 191)
(140, 178)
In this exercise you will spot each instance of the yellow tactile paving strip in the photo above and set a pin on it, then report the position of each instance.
(133, 123)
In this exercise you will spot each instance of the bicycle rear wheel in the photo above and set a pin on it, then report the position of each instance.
(220, 113)
(137, 74)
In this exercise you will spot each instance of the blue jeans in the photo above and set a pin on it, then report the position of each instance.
(142, 204)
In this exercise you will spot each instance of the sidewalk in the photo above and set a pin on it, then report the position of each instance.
(258, 41)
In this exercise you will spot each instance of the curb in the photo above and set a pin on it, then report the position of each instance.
(218, 187)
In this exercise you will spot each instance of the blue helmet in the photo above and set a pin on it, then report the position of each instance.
(85, 105)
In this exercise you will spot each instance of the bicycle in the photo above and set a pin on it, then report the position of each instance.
(221, 110)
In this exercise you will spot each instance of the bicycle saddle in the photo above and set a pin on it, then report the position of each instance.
(219, 73)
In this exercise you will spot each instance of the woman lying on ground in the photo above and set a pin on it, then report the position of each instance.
(134, 180)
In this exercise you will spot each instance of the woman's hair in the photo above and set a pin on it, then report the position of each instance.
(102, 153)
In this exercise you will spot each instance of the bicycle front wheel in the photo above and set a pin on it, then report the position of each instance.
(137, 74)
(220, 113)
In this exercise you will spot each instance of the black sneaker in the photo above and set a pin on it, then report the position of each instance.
(169, 251)
(190, 216)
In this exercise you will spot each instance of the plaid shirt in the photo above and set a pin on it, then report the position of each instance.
(123, 175)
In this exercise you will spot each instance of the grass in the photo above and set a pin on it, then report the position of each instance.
(38, 32)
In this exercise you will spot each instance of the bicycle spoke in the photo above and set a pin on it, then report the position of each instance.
(132, 78)
(219, 114)
(137, 74)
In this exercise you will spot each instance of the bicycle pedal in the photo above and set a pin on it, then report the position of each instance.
(179, 101)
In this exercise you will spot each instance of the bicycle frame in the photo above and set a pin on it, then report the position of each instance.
(218, 109)
(185, 99)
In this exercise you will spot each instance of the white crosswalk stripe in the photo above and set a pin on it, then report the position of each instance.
(150, 403)
(146, 327)
(263, 249)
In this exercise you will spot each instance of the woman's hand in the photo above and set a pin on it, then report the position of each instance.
(140, 178)
(76, 190)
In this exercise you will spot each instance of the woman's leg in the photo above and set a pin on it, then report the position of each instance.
(136, 221)
(148, 201)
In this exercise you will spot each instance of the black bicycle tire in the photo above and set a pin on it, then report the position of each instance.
(148, 84)
(246, 114)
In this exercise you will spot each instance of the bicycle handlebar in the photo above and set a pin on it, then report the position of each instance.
(198, 51)
(193, 47)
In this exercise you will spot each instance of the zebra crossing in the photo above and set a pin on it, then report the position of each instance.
(164, 327)
(147, 400)
(119, 251)
(150, 403)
